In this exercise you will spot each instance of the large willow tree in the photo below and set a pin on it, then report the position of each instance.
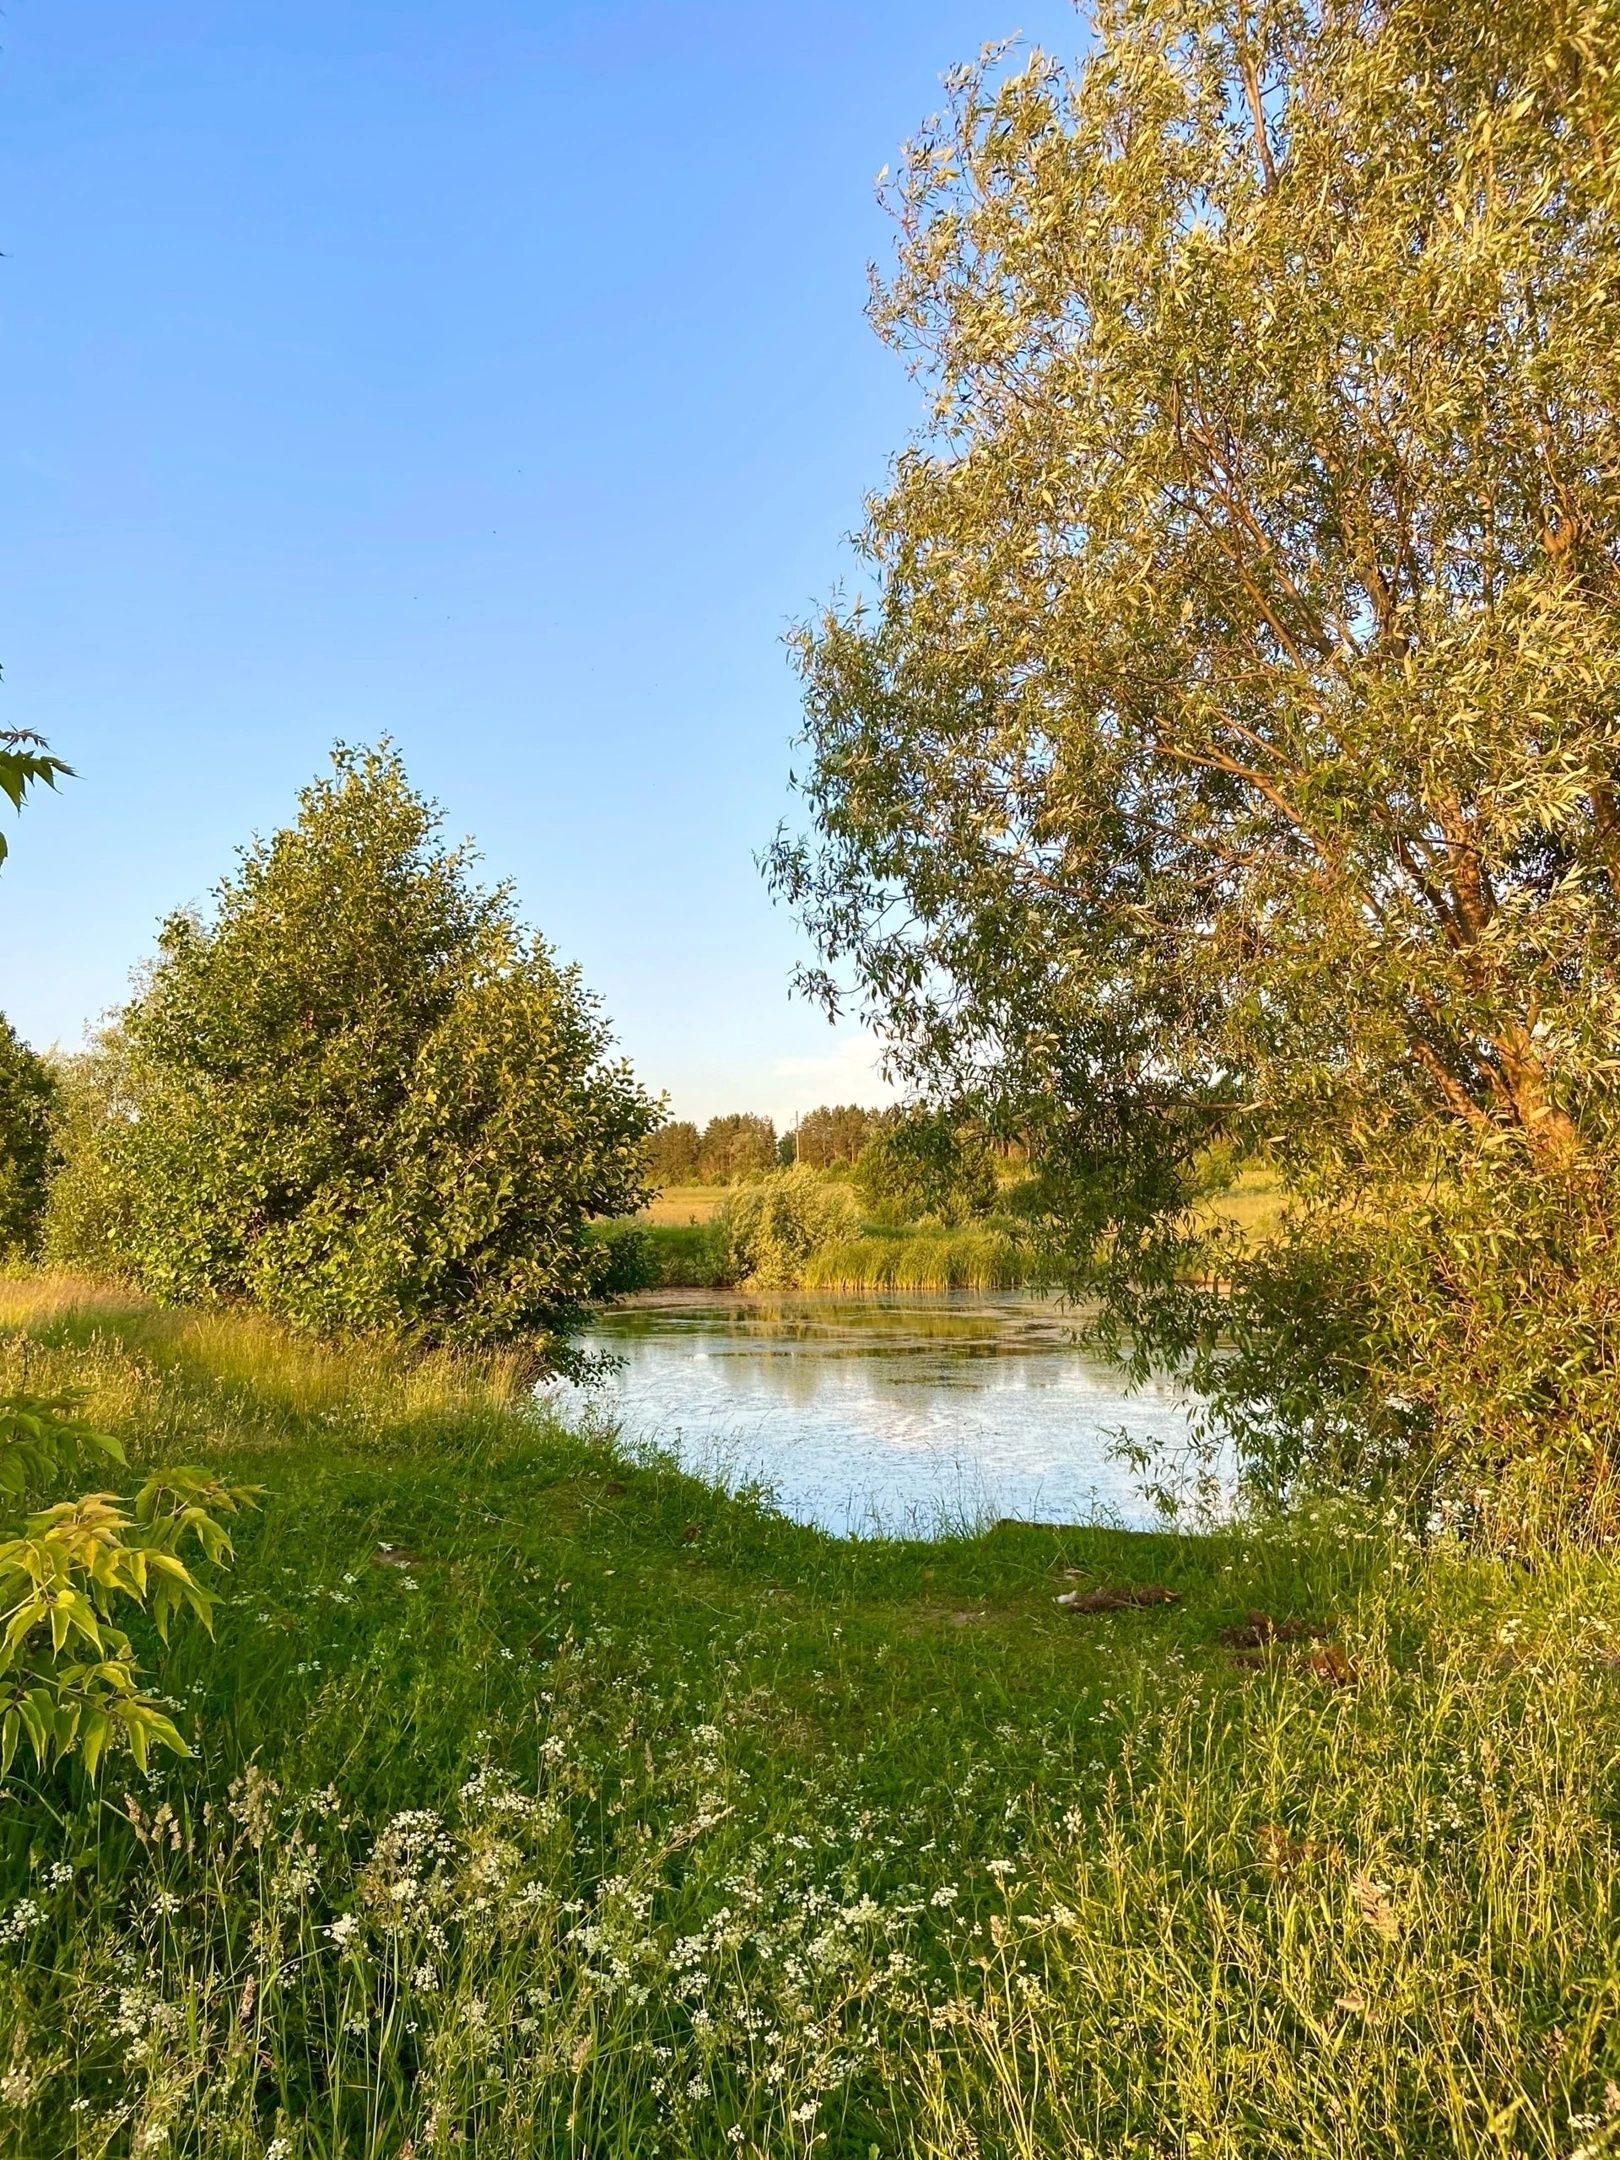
(1228, 747)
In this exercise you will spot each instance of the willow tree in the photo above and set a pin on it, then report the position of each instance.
(1226, 747)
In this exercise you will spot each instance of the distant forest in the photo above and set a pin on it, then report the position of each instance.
(730, 1149)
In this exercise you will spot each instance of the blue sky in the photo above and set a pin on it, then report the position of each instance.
(494, 376)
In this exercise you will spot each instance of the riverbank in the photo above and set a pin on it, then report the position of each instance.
(696, 1256)
(547, 1801)
(679, 1242)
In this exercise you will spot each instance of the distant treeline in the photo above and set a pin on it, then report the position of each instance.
(730, 1150)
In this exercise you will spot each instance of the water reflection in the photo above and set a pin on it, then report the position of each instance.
(898, 1413)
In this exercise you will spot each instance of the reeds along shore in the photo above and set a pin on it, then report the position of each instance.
(973, 1259)
(694, 1256)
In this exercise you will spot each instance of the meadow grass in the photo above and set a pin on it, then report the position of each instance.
(546, 1802)
(1254, 1201)
(684, 1204)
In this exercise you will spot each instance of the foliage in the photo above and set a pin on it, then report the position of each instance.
(27, 1101)
(67, 1668)
(727, 1149)
(738, 1146)
(556, 1801)
(926, 1165)
(25, 763)
(89, 1209)
(674, 1154)
(1230, 744)
(773, 1226)
(983, 1256)
(835, 1133)
(365, 1097)
(665, 1256)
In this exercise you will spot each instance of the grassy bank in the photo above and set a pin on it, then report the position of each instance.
(695, 1256)
(676, 1243)
(547, 1803)
(977, 1258)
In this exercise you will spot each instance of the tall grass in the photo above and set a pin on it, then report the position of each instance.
(969, 1259)
(547, 1802)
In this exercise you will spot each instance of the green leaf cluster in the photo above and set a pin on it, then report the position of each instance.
(25, 763)
(772, 1226)
(923, 1165)
(67, 1666)
(27, 1153)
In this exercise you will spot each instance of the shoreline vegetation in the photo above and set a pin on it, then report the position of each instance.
(679, 1241)
(546, 1800)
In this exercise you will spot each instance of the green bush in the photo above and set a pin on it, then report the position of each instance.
(663, 1256)
(88, 1221)
(924, 1165)
(362, 1095)
(772, 1228)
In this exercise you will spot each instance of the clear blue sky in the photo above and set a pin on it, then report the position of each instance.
(491, 375)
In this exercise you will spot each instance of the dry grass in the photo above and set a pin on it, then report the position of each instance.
(684, 1204)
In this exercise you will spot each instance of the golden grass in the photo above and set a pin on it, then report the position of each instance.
(1254, 1202)
(684, 1204)
(106, 1338)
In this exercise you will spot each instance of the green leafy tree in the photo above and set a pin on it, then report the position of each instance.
(831, 1135)
(27, 1100)
(674, 1155)
(926, 1164)
(1227, 749)
(736, 1147)
(89, 1210)
(365, 1097)
(71, 1570)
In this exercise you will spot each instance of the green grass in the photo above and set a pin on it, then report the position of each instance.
(665, 1255)
(976, 1258)
(548, 1803)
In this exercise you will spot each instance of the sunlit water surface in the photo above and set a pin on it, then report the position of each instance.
(905, 1413)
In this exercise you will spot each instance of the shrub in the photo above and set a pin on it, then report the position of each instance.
(88, 1216)
(362, 1094)
(924, 1165)
(772, 1227)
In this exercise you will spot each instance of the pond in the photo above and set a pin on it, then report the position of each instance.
(899, 1414)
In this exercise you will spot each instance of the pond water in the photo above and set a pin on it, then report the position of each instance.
(894, 1414)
